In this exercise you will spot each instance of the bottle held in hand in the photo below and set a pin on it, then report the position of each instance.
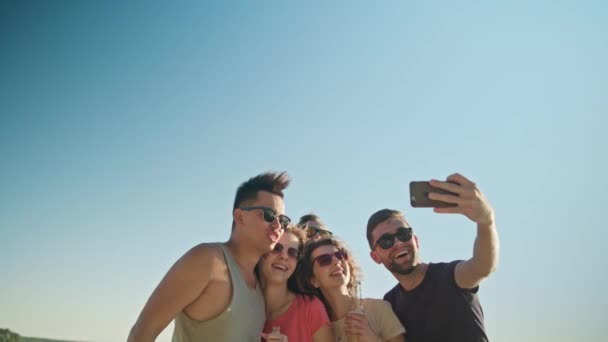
(356, 310)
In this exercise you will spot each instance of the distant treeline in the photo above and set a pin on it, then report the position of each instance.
(9, 336)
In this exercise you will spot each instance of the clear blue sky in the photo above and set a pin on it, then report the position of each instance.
(126, 128)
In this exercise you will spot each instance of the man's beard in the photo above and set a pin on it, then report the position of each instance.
(403, 269)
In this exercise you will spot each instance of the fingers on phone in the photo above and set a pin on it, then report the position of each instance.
(448, 210)
(444, 198)
(460, 179)
(447, 186)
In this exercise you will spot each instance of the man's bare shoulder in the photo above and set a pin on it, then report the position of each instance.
(207, 248)
(204, 256)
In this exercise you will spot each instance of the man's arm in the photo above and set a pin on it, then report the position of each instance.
(470, 273)
(473, 204)
(181, 286)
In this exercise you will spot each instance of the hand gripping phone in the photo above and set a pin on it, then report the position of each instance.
(419, 196)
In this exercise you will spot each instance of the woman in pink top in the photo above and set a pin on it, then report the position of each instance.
(299, 317)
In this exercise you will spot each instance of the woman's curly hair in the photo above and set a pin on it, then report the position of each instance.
(305, 269)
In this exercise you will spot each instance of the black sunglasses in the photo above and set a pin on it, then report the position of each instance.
(325, 259)
(270, 215)
(387, 241)
(312, 231)
(292, 252)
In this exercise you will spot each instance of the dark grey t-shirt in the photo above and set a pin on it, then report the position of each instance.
(438, 310)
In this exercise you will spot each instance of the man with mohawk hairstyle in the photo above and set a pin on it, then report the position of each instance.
(212, 291)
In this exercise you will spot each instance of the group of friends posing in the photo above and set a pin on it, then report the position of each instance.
(276, 281)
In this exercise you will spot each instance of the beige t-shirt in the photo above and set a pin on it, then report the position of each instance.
(380, 317)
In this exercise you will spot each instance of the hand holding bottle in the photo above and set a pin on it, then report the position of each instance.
(275, 336)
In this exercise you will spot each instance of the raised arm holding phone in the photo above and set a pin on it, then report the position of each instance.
(437, 301)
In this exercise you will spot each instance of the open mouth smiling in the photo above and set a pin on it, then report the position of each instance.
(401, 254)
(338, 272)
(280, 267)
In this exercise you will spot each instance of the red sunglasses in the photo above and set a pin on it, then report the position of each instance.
(326, 259)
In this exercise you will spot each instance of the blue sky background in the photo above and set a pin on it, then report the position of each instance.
(126, 128)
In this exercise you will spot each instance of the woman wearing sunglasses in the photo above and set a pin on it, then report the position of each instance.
(328, 270)
(297, 316)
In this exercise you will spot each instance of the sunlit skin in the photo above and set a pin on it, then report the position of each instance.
(199, 283)
(334, 276)
(403, 259)
(403, 256)
(275, 270)
(259, 234)
(333, 281)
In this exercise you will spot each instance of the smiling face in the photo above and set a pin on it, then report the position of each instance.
(277, 267)
(400, 258)
(322, 269)
(254, 228)
(330, 268)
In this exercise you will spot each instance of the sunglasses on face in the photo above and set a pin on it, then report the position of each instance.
(292, 252)
(270, 215)
(326, 259)
(312, 231)
(387, 241)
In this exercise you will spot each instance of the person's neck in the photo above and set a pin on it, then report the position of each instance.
(246, 258)
(340, 302)
(277, 298)
(414, 279)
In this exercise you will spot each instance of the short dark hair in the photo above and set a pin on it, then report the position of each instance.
(379, 217)
(272, 182)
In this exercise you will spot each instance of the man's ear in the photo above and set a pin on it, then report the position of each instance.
(416, 241)
(237, 215)
(375, 257)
